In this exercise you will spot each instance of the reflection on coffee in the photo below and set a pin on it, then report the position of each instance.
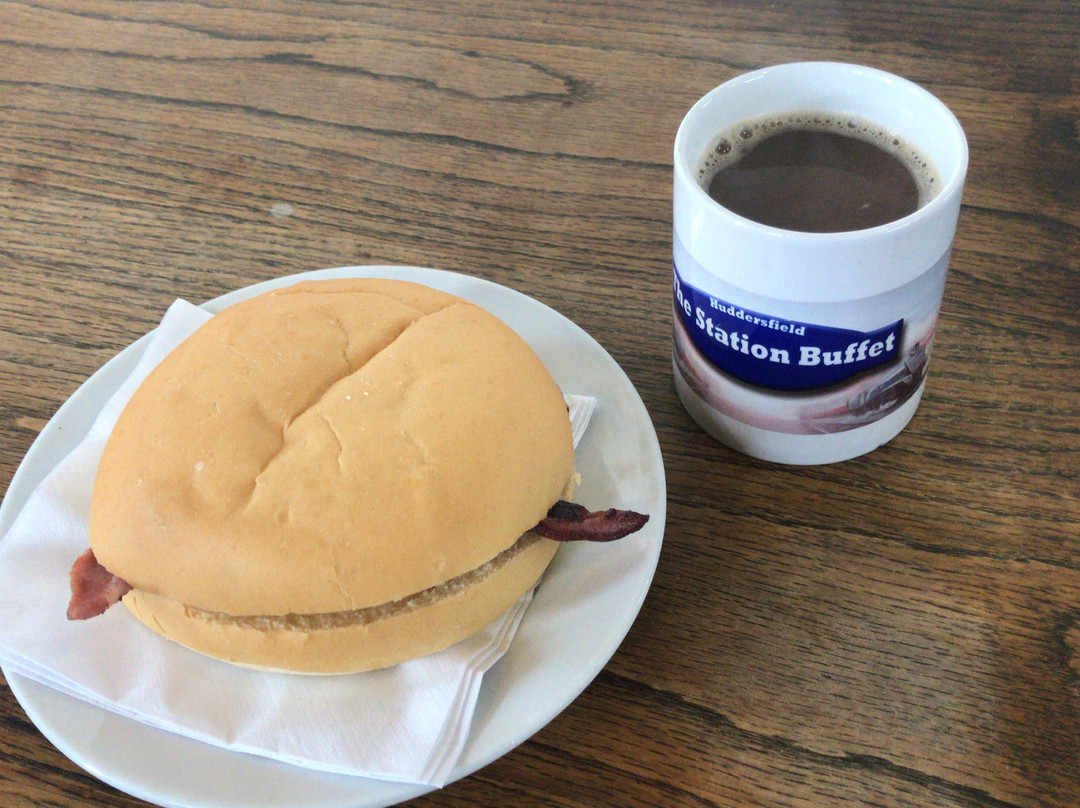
(816, 173)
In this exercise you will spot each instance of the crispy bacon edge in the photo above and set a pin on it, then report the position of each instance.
(93, 588)
(568, 521)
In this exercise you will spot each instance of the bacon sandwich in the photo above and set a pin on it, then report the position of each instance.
(332, 477)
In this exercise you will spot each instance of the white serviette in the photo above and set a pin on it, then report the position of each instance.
(407, 723)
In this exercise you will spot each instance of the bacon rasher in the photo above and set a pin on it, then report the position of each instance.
(567, 521)
(93, 588)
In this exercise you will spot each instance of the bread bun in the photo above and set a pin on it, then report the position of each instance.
(341, 449)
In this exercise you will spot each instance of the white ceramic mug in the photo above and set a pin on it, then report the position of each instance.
(803, 347)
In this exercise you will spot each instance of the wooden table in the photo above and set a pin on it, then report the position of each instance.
(898, 630)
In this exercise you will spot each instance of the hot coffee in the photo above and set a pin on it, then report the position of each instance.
(816, 173)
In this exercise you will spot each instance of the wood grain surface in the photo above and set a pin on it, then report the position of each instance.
(898, 630)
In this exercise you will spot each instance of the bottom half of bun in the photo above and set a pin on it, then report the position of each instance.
(360, 640)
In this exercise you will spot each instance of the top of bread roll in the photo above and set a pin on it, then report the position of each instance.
(330, 446)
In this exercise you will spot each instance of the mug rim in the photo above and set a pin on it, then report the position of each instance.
(950, 185)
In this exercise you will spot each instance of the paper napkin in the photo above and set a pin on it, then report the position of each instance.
(408, 723)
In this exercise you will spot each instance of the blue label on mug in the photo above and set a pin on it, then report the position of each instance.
(776, 353)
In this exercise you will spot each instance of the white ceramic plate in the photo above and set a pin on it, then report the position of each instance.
(581, 612)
